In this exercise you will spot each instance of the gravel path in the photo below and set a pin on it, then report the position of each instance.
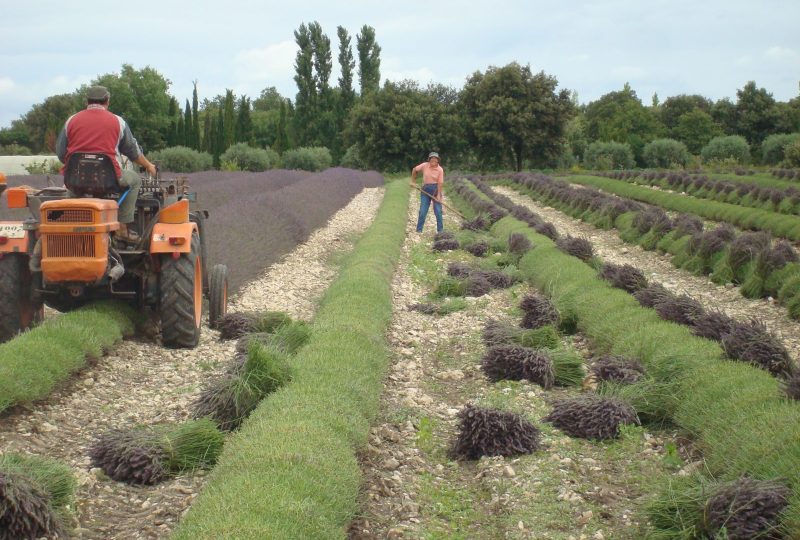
(142, 382)
(657, 267)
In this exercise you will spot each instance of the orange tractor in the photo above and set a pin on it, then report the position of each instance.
(66, 255)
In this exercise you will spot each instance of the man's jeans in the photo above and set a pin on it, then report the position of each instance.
(424, 205)
(130, 180)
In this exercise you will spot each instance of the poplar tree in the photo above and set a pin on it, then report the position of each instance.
(306, 99)
(346, 64)
(323, 129)
(369, 60)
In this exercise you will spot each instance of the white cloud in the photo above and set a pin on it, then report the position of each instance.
(629, 72)
(780, 53)
(6, 85)
(270, 63)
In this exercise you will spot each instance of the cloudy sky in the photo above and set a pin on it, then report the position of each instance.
(670, 47)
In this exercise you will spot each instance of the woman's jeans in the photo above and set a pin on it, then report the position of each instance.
(425, 203)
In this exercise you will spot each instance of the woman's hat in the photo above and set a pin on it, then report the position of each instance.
(433, 155)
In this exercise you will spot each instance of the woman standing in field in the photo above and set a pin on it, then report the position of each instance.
(432, 180)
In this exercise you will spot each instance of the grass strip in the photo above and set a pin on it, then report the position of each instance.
(733, 411)
(33, 363)
(291, 470)
(784, 226)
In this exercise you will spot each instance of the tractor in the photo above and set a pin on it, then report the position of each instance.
(66, 254)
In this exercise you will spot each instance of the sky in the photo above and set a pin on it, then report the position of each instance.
(667, 47)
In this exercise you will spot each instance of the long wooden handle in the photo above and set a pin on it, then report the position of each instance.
(456, 212)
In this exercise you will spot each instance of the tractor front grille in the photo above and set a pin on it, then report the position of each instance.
(70, 245)
(73, 215)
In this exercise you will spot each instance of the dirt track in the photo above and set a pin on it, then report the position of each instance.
(142, 382)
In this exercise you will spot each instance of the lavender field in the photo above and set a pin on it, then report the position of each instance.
(255, 218)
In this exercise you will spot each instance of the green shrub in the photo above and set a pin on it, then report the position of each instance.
(14, 149)
(46, 166)
(243, 157)
(181, 159)
(773, 148)
(791, 153)
(608, 155)
(721, 149)
(352, 159)
(312, 158)
(666, 154)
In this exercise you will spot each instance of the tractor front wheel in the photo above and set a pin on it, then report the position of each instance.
(181, 292)
(17, 311)
(218, 294)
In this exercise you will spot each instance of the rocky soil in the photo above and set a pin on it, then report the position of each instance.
(141, 382)
(657, 267)
(572, 489)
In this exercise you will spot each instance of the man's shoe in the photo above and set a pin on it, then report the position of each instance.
(127, 235)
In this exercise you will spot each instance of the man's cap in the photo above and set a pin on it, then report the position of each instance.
(433, 155)
(97, 93)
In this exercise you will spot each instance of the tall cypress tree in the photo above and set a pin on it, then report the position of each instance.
(281, 143)
(219, 138)
(188, 126)
(228, 121)
(180, 138)
(172, 113)
(208, 123)
(195, 120)
(369, 60)
(244, 122)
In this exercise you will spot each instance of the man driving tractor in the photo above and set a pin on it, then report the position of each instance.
(96, 129)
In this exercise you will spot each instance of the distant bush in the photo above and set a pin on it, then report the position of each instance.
(181, 159)
(14, 150)
(732, 147)
(773, 148)
(792, 154)
(608, 155)
(46, 166)
(352, 159)
(310, 158)
(666, 154)
(243, 157)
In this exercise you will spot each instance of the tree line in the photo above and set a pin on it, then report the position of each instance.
(504, 117)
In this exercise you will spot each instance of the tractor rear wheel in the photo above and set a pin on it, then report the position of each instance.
(218, 294)
(17, 311)
(181, 292)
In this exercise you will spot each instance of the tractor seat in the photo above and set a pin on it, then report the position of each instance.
(91, 174)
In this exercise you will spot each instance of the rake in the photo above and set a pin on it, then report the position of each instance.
(456, 212)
